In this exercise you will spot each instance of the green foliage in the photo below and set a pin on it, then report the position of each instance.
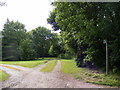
(66, 56)
(13, 34)
(26, 50)
(51, 20)
(91, 76)
(50, 66)
(57, 46)
(85, 26)
(51, 50)
(21, 45)
(41, 40)
(3, 76)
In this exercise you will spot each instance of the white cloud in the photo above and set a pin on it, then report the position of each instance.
(32, 13)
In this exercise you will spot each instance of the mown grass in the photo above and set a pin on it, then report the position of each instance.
(49, 58)
(50, 66)
(3, 76)
(29, 64)
(90, 76)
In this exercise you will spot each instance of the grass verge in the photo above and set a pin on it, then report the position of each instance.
(50, 66)
(29, 64)
(90, 76)
(3, 76)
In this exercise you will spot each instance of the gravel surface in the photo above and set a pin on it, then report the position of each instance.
(33, 78)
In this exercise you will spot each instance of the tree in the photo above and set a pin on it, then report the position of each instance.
(51, 20)
(26, 50)
(85, 26)
(55, 47)
(13, 34)
(41, 40)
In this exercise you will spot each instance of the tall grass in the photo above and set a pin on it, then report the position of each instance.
(69, 67)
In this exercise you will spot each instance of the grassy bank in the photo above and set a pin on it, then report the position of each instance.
(3, 76)
(29, 64)
(49, 67)
(69, 67)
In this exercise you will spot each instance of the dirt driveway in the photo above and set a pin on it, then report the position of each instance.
(33, 78)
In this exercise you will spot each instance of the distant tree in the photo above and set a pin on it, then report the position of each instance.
(55, 46)
(26, 50)
(41, 39)
(13, 34)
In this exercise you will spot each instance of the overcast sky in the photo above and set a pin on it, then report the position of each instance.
(32, 13)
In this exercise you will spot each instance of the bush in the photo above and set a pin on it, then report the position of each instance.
(66, 56)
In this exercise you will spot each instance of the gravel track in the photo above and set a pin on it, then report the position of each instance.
(33, 78)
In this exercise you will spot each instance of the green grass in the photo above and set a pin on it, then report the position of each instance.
(3, 76)
(29, 64)
(90, 76)
(49, 58)
(50, 66)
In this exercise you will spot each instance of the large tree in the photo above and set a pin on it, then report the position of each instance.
(41, 39)
(13, 34)
(85, 26)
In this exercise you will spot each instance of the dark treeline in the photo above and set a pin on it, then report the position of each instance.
(84, 26)
(18, 44)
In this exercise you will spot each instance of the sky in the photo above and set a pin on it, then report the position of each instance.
(31, 13)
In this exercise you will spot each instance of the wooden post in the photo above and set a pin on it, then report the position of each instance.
(106, 57)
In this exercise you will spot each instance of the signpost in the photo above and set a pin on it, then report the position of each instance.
(105, 41)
